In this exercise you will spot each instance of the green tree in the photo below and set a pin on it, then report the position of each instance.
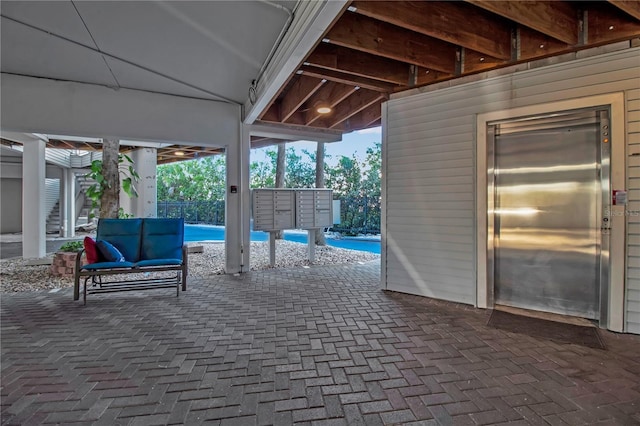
(345, 178)
(301, 172)
(105, 192)
(192, 180)
(371, 185)
(263, 173)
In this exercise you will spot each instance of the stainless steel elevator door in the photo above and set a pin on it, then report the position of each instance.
(546, 217)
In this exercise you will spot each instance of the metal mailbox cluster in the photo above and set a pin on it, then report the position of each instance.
(280, 209)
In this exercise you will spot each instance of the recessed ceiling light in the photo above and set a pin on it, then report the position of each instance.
(611, 27)
(323, 109)
(179, 153)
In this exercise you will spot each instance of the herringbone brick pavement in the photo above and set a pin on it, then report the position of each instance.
(316, 346)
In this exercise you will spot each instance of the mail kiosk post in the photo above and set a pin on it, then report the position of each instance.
(301, 208)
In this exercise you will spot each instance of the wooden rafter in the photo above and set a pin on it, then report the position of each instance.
(557, 19)
(534, 44)
(631, 7)
(365, 118)
(453, 22)
(301, 90)
(380, 38)
(351, 61)
(350, 107)
(354, 80)
(331, 94)
(608, 24)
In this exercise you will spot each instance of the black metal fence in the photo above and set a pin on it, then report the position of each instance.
(358, 215)
(206, 212)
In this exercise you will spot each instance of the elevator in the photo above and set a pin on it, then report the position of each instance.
(549, 204)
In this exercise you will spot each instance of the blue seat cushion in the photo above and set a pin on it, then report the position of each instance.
(107, 265)
(123, 234)
(158, 262)
(162, 239)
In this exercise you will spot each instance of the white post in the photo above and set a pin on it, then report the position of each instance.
(272, 248)
(237, 205)
(312, 244)
(34, 235)
(145, 163)
(68, 203)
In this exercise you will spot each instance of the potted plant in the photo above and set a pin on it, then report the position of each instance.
(64, 260)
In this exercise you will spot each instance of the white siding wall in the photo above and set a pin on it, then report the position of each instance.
(430, 168)
(59, 157)
(52, 191)
(633, 225)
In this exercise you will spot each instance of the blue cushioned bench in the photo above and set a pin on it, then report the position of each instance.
(148, 246)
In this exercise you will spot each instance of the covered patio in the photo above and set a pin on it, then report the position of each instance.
(317, 346)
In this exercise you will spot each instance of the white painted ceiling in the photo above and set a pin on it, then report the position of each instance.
(202, 49)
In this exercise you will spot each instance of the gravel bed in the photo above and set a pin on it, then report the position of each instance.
(16, 276)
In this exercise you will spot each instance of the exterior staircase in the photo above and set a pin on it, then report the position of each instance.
(83, 204)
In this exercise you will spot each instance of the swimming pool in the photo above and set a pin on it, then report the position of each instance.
(193, 233)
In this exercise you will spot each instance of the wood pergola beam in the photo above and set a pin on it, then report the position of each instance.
(557, 19)
(368, 35)
(453, 22)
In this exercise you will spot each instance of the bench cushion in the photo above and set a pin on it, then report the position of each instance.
(109, 252)
(162, 239)
(124, 234)
(158, 262)
(107, 265)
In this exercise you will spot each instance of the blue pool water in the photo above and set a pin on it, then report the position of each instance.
(194, 233)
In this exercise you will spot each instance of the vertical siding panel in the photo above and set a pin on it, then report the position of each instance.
(632, 289)
(429, 138)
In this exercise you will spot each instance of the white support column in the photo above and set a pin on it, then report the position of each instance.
(68, 203)
(34, 236)
(145, 163)
(237, 205)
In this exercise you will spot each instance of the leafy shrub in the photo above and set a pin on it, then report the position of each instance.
(71, 246)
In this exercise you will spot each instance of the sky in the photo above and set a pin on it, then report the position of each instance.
(352, 143)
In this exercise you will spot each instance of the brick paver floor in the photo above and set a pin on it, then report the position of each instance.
(317, 346)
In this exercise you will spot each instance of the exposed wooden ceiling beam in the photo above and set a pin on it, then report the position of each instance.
(609, 24)
(557, 19)
(350, 107)
(363, 64)
(331, 94)
(430, 76)
(301, 90)
(534, 44)
(365, 118)
(351, 79)
(476, 61)
(453, 22)
(631, 7)
(380, 38)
